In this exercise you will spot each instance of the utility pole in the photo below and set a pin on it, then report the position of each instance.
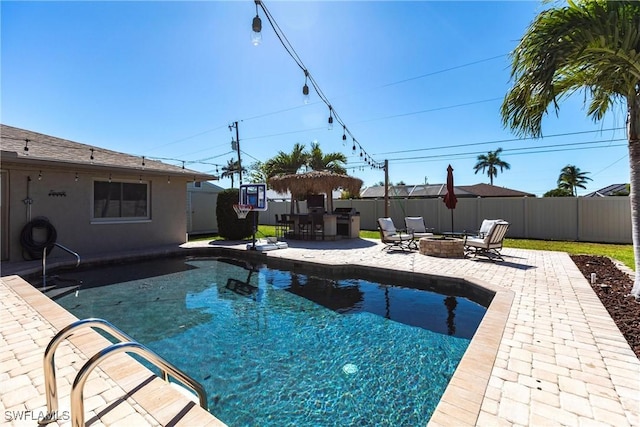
(237, 148)
(386, 188)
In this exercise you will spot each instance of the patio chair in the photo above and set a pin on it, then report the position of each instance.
(490, 245)
(484, 228)
(415, 225)
(392, 237)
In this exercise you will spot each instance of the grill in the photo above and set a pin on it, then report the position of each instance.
(347, 222)
(345, 213)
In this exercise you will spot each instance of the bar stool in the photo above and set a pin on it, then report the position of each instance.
(317, 225)
(304, 226)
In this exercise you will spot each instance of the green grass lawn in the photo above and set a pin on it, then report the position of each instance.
(623, 253)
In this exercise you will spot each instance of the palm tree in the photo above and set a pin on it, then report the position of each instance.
(287, 163)
(230, 170)
(571, 178)
(319, 161)
(258, 172)
(590, 45)
(491, 162)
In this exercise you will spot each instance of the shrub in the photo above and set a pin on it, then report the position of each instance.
(558, 192)
(229, 225)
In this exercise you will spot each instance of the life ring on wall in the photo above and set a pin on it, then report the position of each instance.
(35, 248)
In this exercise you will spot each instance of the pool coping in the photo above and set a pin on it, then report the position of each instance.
(121, 382)
(463, 396)
(561, 359)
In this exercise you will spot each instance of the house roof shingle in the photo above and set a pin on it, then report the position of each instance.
(486, 190)
(439, 190)
(45, 149)
(608, 190)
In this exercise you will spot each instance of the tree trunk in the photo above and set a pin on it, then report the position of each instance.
(633, 124)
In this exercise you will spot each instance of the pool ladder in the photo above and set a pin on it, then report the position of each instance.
(44, 262)
(126, 344)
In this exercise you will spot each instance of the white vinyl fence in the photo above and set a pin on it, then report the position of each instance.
(587, 219)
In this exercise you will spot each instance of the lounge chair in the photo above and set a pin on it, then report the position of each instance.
(415, 225)
(392, 237)
(485, 227)
(490, 245)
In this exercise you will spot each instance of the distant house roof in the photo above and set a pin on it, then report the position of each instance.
(609, 190)
(24, 146)
(439, 190)
(486, 190)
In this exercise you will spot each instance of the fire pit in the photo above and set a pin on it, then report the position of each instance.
(443, 247)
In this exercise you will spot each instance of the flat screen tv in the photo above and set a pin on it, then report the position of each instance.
(315, 201)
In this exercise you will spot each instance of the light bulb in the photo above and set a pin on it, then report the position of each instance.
(256, 35)
(305, 93)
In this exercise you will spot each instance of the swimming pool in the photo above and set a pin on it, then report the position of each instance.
(278, 347)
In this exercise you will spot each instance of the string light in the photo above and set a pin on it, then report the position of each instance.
(92, 154)
(305, 88)
(109, 178)
(140, 180)
(256, 26)
(168, 179)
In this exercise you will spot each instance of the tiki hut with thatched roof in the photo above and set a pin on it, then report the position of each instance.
(315, 182)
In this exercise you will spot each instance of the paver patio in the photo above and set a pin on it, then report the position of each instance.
(547, 352)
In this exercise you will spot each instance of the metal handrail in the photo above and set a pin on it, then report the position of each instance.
(77, 395)
(44, 262)
(51, 388)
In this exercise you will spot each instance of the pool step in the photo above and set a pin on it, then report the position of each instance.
(54, 292)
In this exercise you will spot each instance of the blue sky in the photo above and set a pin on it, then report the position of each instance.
(419, 83)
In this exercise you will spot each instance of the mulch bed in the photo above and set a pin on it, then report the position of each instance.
(613, 287)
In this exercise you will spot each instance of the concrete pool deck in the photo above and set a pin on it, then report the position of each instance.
(547, 353)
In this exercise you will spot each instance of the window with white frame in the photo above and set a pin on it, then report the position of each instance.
(120, 200)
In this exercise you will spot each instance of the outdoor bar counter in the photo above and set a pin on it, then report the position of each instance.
(334, 225)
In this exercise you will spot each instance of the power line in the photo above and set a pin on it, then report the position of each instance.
(534, 150)
(185, 138)
(499, 141)
(257, 26)
(607, 167)
(436, 158)
(430, 110)
(444, 70)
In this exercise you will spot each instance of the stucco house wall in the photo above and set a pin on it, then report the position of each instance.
(39, 184)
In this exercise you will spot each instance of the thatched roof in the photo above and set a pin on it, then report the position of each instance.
(315, 182)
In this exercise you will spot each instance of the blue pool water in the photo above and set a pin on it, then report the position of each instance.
(277, 348)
